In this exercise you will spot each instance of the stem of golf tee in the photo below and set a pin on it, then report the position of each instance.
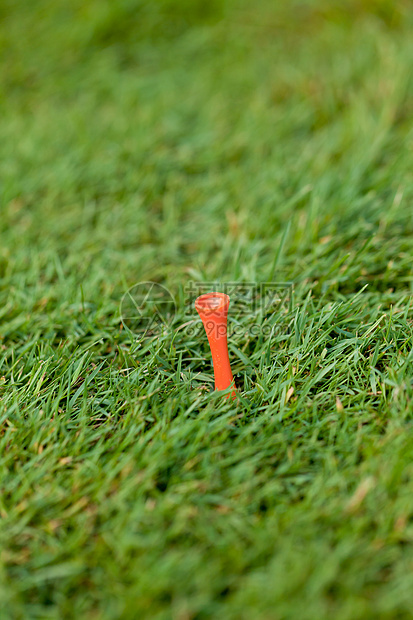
(213, 310)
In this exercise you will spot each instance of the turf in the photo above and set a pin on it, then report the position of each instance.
(220, 141)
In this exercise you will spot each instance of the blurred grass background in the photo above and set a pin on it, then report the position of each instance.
(223, 140)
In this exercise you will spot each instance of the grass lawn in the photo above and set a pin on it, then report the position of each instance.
(227, 141)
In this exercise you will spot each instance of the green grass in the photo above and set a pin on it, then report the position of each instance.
(229, 141)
